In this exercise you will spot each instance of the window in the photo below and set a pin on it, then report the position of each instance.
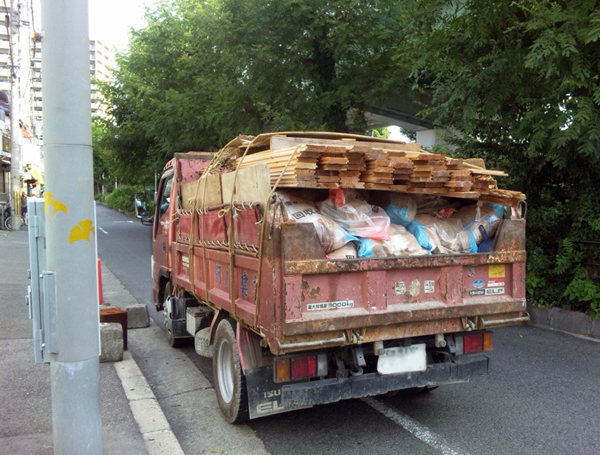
(165, 199)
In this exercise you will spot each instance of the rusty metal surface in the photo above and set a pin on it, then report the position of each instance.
(510, 236)
(391, 298)
(191, 165)
(393, 331)
(294, 343)
(359, 318)
(301, 242)
(355, 265)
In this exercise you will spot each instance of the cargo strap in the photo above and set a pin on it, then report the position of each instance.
(261, 242)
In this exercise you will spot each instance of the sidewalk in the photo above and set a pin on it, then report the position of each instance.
(25, 402)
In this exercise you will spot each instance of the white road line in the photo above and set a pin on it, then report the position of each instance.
(153, 424)
(413, 427)
(102, 230)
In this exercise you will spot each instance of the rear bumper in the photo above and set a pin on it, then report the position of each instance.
(333, 390)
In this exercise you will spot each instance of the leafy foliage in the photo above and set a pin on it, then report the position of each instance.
(518, 82)
(202, 72)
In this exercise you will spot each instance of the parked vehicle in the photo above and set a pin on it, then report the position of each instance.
(142, 209)
(287, 328)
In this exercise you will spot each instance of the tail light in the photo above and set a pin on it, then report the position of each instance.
(473, 343)
(304, 367)
(488, 341)
(289, 369)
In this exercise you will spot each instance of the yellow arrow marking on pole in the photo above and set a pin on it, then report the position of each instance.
(82, 231)
(57, 205)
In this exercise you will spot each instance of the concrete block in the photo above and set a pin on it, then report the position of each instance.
(111, 342)
(595, 333)
(539, 316)
(570, 321)
(137, 316)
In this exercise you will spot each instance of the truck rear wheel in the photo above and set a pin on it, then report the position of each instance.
(168, 315)
(229, 379)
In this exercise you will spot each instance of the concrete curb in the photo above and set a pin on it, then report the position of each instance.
(154, 427)
(564, 320)
(153, 424)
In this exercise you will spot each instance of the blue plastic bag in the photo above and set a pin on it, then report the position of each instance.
(417, 229)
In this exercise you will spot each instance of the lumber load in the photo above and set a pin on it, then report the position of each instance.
(334, 160)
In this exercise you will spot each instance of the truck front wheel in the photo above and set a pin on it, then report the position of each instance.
(168, 316)
(229, 379)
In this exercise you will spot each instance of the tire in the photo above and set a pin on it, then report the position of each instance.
(229, 379)
(8, 222)
(173, 342)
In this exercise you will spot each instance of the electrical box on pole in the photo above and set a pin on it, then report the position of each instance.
(41, 293)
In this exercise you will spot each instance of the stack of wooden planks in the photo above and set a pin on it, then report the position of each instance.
(314, 162)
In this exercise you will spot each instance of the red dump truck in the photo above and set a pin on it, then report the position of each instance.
(289, 328)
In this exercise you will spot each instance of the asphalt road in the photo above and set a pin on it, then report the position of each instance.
(541, 397)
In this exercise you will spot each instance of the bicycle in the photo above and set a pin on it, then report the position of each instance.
(6, 218)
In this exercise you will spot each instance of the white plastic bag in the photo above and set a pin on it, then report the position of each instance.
(442, 235)
(331, 234)
(348, 251)
(357, 217)
(401, 243)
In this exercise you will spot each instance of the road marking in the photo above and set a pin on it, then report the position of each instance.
(102, 230)
(413, 427)
(121, 221)
(153, 424)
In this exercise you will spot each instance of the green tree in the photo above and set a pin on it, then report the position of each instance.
(519, 83)
(202, 72)
(100, 164)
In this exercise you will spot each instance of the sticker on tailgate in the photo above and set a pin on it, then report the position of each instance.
(496, 271)
(486, 291)
(330, 305)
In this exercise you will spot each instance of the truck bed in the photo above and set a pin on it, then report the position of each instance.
(307, 301)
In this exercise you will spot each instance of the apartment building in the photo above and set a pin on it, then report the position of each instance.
(31, 117)
(101, 62)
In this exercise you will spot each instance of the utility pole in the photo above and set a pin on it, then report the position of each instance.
(15, 130)
(70, 229)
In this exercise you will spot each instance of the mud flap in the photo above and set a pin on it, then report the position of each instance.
(264, 395)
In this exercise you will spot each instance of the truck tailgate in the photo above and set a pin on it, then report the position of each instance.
(379, 299)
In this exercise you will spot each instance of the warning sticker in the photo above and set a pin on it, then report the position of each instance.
(400, 287)
(330, 305)
(496, 271)
(486, 291)
(477, 292)
(494, 291)
(429, 286)
(495, 283)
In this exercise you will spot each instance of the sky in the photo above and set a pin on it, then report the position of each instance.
(110, 20)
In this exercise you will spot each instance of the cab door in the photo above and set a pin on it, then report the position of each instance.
(162, 227)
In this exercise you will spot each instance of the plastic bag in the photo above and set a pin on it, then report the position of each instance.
(442, 235)
(331, 235)
(348, 251)
(402, 208)
(488, 217)
(401, 243)
(357, 217)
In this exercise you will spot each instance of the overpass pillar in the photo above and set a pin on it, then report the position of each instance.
(431, 137)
